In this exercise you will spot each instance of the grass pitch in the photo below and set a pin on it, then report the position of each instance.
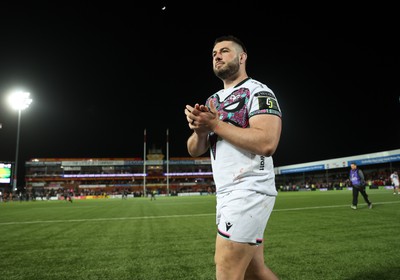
(310, 235)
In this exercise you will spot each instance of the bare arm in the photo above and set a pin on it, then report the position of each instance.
(261, 137)
(197, 143)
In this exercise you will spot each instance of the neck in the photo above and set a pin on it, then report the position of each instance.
(234, 80)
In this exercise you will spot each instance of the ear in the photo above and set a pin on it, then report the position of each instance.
(242, 57)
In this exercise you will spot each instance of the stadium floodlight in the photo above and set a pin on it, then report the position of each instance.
(19, 100)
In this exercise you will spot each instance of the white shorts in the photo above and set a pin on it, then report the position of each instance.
(242, 215)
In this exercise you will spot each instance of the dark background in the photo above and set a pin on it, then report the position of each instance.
(99, 74)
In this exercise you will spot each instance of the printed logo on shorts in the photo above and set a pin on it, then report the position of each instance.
(228, 226)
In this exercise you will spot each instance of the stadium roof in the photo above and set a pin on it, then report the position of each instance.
(365, 159)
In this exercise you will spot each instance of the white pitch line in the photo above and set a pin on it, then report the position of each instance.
(170, 216)
(104, 219)
(331, 206)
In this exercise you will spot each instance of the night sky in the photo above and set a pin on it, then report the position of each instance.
(99, 74)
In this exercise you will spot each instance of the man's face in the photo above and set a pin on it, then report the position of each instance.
(225, 60)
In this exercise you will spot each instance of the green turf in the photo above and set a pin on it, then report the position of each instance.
(311, 235)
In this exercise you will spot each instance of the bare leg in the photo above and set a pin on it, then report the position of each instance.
(238, 261)
(257, 268)
(231, 259)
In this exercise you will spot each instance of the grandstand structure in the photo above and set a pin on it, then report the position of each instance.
(334, 173)
(93, 176)
(187, 175)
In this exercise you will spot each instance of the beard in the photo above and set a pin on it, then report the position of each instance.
(228, 70)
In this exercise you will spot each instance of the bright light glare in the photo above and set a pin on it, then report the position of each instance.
(20, 100)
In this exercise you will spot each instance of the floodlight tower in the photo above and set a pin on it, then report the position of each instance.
(19, 100)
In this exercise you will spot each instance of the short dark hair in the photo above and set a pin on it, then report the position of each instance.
(232, 39)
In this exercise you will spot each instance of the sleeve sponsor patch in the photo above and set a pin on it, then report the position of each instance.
(268, 103)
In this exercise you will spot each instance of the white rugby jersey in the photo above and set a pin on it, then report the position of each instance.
(395, 179)
(233, 167)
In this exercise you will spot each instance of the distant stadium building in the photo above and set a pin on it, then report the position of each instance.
(187, 175)
(96, 176)
(333, 173)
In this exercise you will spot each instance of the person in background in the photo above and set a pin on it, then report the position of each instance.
(357, 181)
(70, 195)
(240, 125)
(125, 194)
(394, 179)
(153, 195)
